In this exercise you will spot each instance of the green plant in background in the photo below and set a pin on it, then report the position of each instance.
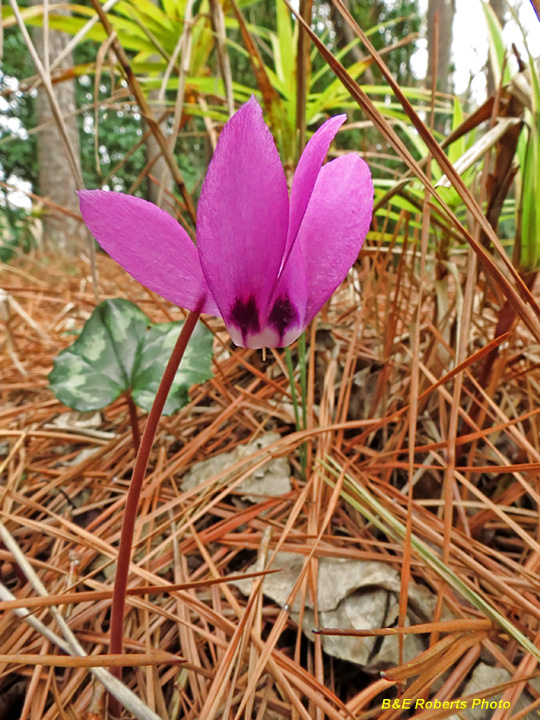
(497, 48)
(111, 128)
(278, 76)
(529, 178)
(121, 352)
(18, 152)
(111, 136)
(110, 125)
(151, 34)
(524, 87)
(20, 231)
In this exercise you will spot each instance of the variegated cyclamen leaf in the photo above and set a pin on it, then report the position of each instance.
(121, 351)
(194, 368)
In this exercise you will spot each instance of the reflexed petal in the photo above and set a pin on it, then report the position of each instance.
(242, 220)
(334, 227)
(307, 171)
(150, 245)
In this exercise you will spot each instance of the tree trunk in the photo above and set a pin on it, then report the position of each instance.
(445, 10)
(56, 181)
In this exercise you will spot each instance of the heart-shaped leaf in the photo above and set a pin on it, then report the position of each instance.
(121, 351)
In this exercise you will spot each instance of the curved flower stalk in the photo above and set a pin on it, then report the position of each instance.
(264, 262)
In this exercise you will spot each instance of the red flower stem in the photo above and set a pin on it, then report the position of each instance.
(132, 502)
(133, 421)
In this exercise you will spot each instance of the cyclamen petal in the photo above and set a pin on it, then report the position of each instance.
(266, 265)
(150, 245)
(334, 227)
(307, 172)
(242, 222)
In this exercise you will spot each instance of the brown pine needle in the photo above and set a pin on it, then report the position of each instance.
(445, 626)
(124, 660)
(95, 595)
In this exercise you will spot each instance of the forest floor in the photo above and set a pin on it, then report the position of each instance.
(419, 505)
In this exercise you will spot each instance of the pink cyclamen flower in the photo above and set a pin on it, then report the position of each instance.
(263, 262)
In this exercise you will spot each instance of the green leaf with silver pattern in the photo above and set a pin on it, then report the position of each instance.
(120, 351)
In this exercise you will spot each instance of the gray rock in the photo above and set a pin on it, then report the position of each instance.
(272, 479)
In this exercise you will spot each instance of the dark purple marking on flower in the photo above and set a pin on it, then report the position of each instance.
(283, 315)
(245, 315)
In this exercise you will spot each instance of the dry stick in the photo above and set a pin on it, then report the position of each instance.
(218, 23)
(132, 502)
(184, 46)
